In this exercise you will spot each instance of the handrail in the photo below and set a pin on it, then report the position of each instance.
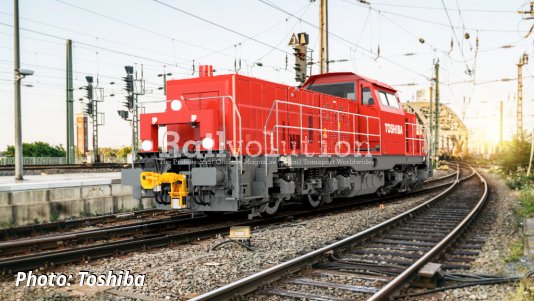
(277, 126)
(421, 141)
(238, 153)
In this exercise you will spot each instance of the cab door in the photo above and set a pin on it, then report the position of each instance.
(368, 122)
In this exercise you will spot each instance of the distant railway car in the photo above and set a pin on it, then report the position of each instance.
(233, 142)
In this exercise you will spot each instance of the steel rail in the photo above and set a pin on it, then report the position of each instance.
(157, 239)
(398, 281)
(66, 166)
(25, 231)
(252, 282)
(9, 247)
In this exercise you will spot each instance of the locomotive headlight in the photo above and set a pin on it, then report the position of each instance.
(176, 105)
(207, 143)
(146, 145)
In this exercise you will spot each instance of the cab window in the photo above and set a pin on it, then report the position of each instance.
(367, 97)
(393, 102)
(383, 98)
(345, 90)
(388, 99)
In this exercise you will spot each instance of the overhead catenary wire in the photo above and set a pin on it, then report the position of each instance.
(468, 71)
(132, 25)
(476, 10)
(220, 26)
(87, 34)
(426, 20)
(344, 39)
(173, 39)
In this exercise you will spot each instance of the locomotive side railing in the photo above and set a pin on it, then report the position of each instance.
(236, 129)
(416, 138)
(236, 150)
(275, 129)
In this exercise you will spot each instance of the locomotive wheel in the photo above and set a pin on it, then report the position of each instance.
(381, 192)
(327, 199)
(272, 207)
(313, 200)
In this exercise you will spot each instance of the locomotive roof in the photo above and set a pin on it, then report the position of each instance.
(350, 75)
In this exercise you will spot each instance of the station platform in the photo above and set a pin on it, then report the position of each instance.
(43, 198)
(31, 182)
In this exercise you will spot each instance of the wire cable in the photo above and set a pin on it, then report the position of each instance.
(468, 71)
(344, 39)
(218, 25)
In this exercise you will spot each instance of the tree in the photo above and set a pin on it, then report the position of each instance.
(123, 152)
(37, 149)
(515, 155)
(108, 152)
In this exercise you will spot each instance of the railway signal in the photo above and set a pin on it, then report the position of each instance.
(129, 87)
(299, 43)
(123, 114)
(89, 88)
(133, 87)
(91, 109)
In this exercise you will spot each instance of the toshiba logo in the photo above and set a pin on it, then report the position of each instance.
(393, 128)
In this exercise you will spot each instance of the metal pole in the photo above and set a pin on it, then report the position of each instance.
(523, 60)
(70, 106)
(323, 17)
(18, 126)
(531, 155)
(135, 131)
(96, 152)
(436, 125)
(500, 124)
(164, 82)
(431, 109)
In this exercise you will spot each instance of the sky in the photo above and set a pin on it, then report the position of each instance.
(380, 41)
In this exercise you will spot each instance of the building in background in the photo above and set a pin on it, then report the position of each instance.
(82, 144)
(421, 95)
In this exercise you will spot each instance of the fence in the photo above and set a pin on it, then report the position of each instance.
(56, 160)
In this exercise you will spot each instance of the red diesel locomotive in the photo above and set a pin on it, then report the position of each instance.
(232, 142)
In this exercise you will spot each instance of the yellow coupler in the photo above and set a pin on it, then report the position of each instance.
(151, 180)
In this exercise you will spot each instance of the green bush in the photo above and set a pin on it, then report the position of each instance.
(514, 155)
(519, 180)
(37, 149)
(526, 204)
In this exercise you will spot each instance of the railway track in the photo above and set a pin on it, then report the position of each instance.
(63, 226)
(56, 227)
(379, 261)
(50, 250)
(66, 166)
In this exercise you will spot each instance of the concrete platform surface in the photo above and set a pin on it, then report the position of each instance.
(32, 182)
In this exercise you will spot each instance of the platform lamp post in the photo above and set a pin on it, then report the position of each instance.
(19, 75)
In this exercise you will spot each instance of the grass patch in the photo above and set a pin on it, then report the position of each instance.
(516, 251)
(524, 292)
(526, 204)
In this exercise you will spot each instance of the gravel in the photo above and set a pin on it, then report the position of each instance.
(492, 258)
(188, 270)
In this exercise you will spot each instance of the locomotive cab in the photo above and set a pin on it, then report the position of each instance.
(369, 98)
